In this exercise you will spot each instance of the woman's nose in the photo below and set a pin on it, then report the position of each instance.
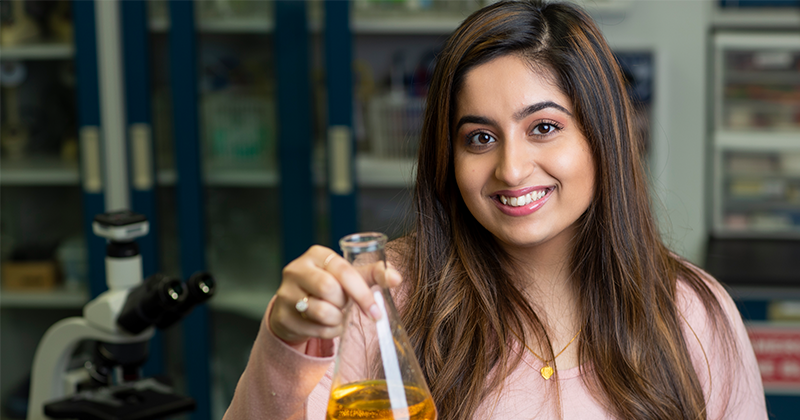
(515, 163)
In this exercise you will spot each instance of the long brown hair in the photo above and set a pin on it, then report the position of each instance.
(462, 299)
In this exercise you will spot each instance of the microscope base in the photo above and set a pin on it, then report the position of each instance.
(139, 400)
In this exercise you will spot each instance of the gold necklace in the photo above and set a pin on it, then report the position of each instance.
(546, 371)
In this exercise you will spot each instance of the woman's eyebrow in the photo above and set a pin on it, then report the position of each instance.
(475, 119)
(530, 109)
(519, 115)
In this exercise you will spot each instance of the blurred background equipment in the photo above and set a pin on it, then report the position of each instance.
(119, 323)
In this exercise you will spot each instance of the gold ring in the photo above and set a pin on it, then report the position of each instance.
(328, 260)
(302, 306)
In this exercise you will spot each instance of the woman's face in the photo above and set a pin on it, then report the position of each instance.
(522, 164)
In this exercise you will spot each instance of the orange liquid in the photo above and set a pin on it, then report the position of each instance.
(370, 400)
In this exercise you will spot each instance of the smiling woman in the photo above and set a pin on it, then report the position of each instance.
(522, 164)
(534, 283)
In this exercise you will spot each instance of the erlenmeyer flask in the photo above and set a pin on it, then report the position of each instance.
(377, 375)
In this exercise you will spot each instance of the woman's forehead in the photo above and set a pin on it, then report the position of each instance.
(508, 81)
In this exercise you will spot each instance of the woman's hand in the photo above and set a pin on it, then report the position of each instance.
(325, 281)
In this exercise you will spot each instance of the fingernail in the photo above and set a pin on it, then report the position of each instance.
(374, 312)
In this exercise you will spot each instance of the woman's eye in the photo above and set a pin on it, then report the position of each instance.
(479, 138)
(544, 128)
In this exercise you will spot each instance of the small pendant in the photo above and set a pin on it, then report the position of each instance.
(547, 372)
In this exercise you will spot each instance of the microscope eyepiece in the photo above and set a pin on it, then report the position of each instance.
(200, 288)
(146, 304)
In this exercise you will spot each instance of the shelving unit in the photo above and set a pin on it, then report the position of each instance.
(38, 171)
(247, 303)
(31, 183)
(754, 18)
(254, 25)
(370, 172)
(395, 25)
(60, 298)
(44, 51)
(756, 138)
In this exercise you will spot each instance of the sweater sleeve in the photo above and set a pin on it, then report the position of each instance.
(281, 383)
(728, 371)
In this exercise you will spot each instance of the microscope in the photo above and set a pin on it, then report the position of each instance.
(119, 324)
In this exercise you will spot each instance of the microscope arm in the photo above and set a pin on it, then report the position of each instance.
(53, 355)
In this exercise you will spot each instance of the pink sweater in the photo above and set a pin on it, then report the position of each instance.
(280, 383)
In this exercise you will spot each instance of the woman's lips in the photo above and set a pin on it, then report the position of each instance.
(522, 203)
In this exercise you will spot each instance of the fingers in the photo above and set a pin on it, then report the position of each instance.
(316, 288)
(320, 319)
(354, 285)
(383, 275)
(319, 311)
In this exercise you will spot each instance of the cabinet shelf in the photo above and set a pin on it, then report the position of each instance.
(406, 25)
(763, 77)
(43, 51)
(54, 299)
(755, 232)
(766, 141)
(370, 172)
(774, 105)
(228, 177)
(760, 204)
(248, 303)
(257, 25)
(762, 176)
(38, 171)
(755, 18)
(377, 172)
(431, 25)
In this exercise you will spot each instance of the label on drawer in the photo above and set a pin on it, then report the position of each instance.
(340, 160)
(777, 349)
(141, 156)
(91, 164)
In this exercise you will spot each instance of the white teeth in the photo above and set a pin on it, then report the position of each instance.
(523, 199)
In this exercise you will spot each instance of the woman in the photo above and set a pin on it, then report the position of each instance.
(534, 283)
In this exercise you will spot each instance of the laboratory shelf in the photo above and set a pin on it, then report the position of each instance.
(243, 178)
(43, 51)
(256, 25)
(757, 233)
(767, 141)
(60, 298)
(245, 302)
(763, 77)
(752, 18)
(228, 177)
(761, 176)
(370, 172)
(760, 204)
(38, 171)
(764, 293)
(406, 25)
(377, 172)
